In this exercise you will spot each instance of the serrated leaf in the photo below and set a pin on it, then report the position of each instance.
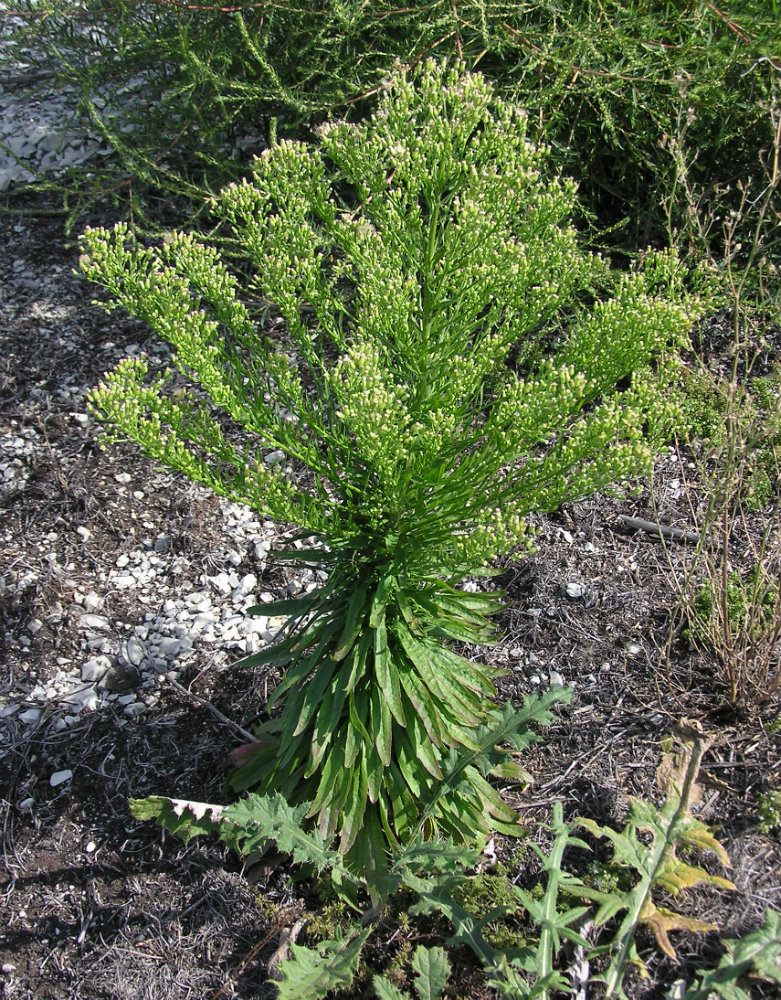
(432, 970)
(312, 972)
(180, 816)
(648, 845)
(385, 989)
(756, 955)
(662, 921)
(466, 928)
(258, 818)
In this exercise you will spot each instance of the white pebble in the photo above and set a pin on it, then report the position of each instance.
(94, 669)
(133, 651)
(82, 698)
(574, 590)
(60, 777)
(248, 584)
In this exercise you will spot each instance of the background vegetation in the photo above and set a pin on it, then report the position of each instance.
(646, 104)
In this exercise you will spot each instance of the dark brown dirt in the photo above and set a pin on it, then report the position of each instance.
(101, 907)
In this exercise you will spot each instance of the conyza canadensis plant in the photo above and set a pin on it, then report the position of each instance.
(448, 362)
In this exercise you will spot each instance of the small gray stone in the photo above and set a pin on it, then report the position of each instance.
(89, 621)
(163, 543)
(60, 777)
(94, 669)
(81, 698)
(133, 651)
(247, 585)
(574, 590)
(170, 648)
(221, 583)
(91, 602)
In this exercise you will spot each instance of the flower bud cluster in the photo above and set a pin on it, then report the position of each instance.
(427, 384)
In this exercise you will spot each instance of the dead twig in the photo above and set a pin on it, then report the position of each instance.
(663, 530)
(214, 711)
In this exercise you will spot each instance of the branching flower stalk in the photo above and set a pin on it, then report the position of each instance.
(446, 366)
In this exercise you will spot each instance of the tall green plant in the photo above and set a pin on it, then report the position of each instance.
(444, 370)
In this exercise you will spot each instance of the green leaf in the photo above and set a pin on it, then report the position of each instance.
(433, 970)
(303, 555)
(753, 957)
(258, 818)
(385, 588)
(180, 816)
(382, 725)
(355, 807)
(422, 703)
(293, 606)
(385, 989)
(354, 619)
(387, 674)
(278, 652)
(313, 972)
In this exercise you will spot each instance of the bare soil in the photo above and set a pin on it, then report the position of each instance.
(97, 906)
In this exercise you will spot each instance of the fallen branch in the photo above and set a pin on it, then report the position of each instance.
(661, 530)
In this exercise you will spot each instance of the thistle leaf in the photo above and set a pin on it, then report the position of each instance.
(756, 955)
(180, 816)
(313, 972)
(259, 818)
(661, 921)
(386, 990)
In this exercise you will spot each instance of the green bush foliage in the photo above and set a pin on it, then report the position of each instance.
(446, 367)
(626, 90)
